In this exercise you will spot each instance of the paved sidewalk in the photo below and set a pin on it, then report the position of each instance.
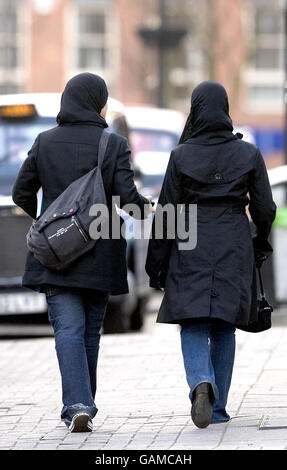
(143, 396)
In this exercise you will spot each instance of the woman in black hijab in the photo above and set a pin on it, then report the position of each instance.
(210, 285)
(77, 296)
(209, 113)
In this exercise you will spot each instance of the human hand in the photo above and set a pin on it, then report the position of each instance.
(150, 209)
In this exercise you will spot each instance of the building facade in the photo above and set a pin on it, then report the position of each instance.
(240, 44)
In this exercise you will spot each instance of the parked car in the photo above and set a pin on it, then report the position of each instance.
(22, 117)
(153, 129)
(277, 270)
(150, 167)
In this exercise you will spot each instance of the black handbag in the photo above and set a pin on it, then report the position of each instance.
(264, 310)
(62, 233)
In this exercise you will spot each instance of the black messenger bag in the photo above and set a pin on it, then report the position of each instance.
(61, 234)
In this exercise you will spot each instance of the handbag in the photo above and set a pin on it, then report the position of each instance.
(61, 234)
(264, 311)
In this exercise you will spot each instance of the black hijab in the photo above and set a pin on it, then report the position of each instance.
(208, 121)
(82, 100)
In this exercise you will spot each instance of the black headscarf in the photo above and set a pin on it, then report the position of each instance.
(208, 120)
(82, 100)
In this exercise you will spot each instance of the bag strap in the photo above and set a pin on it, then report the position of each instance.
(261, 283)
(104, 139)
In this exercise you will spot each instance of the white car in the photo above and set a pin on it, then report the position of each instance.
(278, 182)
(153, 129)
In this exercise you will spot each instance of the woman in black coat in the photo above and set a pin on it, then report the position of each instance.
(210, 288)
(77, 297)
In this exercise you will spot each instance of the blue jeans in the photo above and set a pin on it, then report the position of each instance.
(77, 317)
(208, 348)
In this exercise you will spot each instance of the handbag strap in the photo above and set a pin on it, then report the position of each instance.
(260, 282)
(104, 139)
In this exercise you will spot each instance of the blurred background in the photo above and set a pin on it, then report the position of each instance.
(152, 53)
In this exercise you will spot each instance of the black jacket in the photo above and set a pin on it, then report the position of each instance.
(217, 278)
(58, 157)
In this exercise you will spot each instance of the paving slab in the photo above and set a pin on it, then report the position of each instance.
(143, 395)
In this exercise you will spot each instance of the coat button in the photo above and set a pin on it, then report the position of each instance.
(217, 176)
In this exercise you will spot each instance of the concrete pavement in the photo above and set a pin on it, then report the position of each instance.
(143, 396)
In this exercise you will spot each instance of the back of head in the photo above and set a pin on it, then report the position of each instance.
(82, 100)
(209, 111)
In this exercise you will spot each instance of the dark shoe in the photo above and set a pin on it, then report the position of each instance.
(81, 422)
(201, 411)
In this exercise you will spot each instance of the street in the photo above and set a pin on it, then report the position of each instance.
(142, 394)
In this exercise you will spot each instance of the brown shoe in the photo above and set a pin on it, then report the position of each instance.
(201, 411)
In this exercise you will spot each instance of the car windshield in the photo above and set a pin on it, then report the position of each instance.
(152, 140)
(16, 139)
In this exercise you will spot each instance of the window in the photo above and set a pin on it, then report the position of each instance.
(93, 23)
(93, 37)
(9, 46)
(93, 57)
(8, 32)
(266, 92)
(16, 138)
(268, 53)
(8, 87)
(264, 74)
(91, 31)
(268, 22)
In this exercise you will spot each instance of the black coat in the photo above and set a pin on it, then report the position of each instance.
(217, 278)
(57, 158)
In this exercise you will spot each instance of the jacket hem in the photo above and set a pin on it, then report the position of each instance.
(114, 290)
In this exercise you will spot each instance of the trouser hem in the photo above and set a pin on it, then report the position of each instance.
(68, 412)
(214, 390)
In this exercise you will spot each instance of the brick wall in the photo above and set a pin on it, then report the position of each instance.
(46, 67)
(137, 80)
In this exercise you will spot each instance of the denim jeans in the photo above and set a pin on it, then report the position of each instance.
(77, 317)
(208, 348)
